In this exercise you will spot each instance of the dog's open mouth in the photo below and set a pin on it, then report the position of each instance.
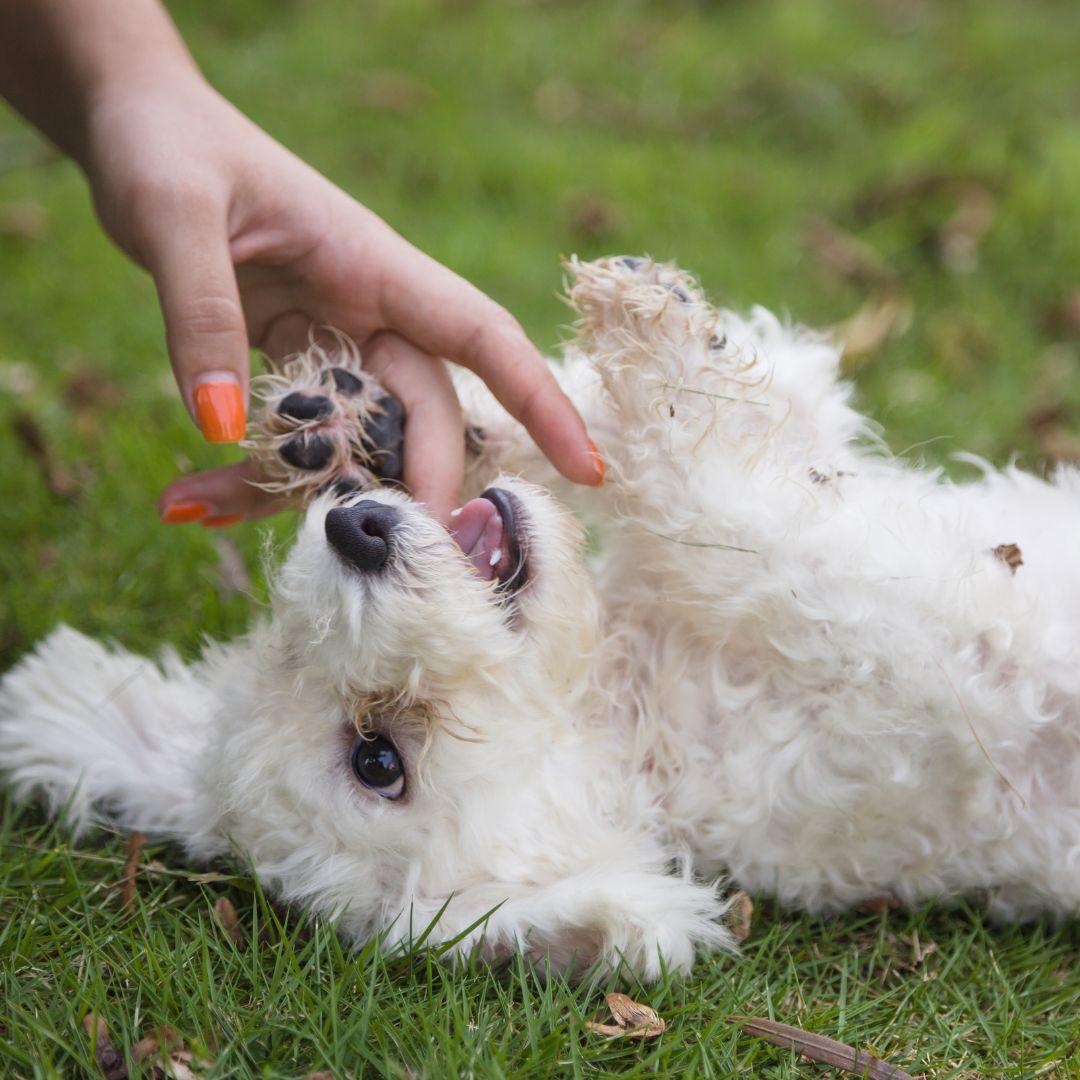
(490, 530)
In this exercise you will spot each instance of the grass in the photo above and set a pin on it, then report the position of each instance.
(504, 136)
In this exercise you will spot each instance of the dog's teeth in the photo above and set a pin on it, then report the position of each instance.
(496, 555)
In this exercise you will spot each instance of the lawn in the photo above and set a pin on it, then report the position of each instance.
(907, 171)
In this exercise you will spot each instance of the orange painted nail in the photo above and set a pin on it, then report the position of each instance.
(220, 408)
(182, 513)
(601, 468)
(221, 520)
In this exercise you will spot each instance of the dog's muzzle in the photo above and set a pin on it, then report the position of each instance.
(362, 535)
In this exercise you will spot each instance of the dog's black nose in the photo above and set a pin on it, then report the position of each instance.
(361, 534)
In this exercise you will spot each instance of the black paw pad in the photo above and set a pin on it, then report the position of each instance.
(383, 432)
(345, 381)
(308, 451)
(299, 406)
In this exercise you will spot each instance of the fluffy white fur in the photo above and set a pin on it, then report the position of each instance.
(796, 662)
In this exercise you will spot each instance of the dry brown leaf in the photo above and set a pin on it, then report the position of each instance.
(962, 234)
(592, 218)
(740, 915)
(58, 479)
(1062, 319)
(164, 1040)
(181, 1064)
(88, 387)
(228, 920)
(393, 91)
(109, 1060)
(23, 220)
(233, 577)
(912, 189)
(879, 319)
(135, 844)
(848, 258)
(1010, 555)
(881, 905)
(632, 1020)
(820, 1048)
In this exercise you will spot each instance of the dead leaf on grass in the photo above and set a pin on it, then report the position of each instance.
(881, 905)
(135, 844)
(229, 921)
(109, 1060)
(740, 915)
(58, 479)
(848, 258)
(881, 318)
(23, 220)
(960, 236)
(632, 1020)
(820, 1048)
(592, 218)
(164, 1040)
(1010, 555)
(1062, 318)
(393, 91)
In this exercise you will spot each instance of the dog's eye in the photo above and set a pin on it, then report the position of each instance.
(377, 765)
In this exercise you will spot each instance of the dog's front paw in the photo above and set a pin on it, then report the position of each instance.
(325, 423)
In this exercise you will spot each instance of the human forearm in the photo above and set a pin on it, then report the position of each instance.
(59, 58)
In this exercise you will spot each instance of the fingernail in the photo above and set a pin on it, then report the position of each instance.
(221, 520)
(598, 461)
(182, 513)
(220, 409)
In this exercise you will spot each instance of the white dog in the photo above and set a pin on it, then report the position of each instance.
(795, 662)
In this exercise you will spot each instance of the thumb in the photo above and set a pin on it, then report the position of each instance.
(188, 256)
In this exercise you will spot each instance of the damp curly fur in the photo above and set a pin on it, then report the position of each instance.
(794, 661)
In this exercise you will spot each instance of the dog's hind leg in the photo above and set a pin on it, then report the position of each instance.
(104, 736)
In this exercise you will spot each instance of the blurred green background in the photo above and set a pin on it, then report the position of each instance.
(907, 171)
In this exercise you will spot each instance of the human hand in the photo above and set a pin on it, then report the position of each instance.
(248, 245)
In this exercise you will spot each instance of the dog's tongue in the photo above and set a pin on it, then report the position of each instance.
(478, 529)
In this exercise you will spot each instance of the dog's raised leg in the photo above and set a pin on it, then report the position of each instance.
(721, 434)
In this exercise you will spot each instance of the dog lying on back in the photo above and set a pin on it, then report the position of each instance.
(795, 663)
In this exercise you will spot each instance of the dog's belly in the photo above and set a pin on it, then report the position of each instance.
(826, 782)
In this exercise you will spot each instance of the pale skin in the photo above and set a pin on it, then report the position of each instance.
(250, 247)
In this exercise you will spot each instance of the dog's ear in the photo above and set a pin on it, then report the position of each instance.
(604, 917)
(105, 736)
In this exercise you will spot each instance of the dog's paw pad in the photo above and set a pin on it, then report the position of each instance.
(344, 381)
(325, 425)
(308, 451)
(384, 433)
(304, 406)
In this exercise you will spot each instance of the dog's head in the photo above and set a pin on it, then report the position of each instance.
(422, 736)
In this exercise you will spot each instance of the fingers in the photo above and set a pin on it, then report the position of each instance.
(218, 497)
(446, 316)
(434, 452)
(187, 252)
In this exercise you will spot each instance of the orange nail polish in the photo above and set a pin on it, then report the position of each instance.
(601, 468)
(221, 520)
(220, 408)
(182, 513)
